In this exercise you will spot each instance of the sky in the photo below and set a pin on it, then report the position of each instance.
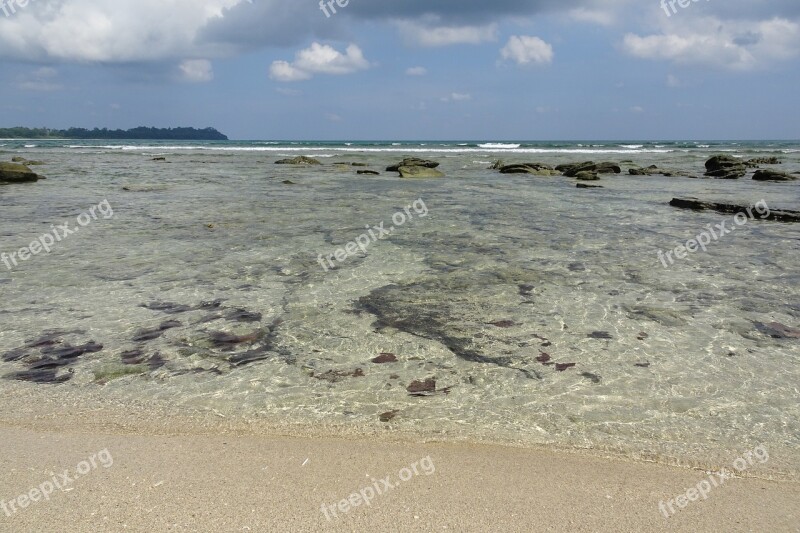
(407, 69)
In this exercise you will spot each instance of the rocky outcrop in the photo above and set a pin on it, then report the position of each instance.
(586, 175)
(26, 162)
(419, 172)
(300, 160)
(412, 162)
(732, 209)
(537, 169)
(572, 170)
(725, 167)
(17, 173)
(653, 170)
(773, 175)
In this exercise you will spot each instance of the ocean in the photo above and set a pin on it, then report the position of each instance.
(516, 308)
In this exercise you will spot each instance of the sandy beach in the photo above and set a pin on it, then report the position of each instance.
(130, 469)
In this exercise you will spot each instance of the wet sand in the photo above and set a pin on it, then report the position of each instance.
(206, 474)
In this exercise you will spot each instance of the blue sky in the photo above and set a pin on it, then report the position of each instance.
(407, 69)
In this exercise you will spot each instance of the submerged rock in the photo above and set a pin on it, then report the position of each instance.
(300, 160)
(419, 172)
(368, 173)
(537, 169)
(773, 175)
(783, 215)
(572, 170)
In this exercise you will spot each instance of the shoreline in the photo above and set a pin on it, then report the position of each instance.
(239, 482)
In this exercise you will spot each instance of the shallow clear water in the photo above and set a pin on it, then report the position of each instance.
(503, 269)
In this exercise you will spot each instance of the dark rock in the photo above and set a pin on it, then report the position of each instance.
(600, 335)
(642, 365)
(46, 376)
(593, 377)
(503, 323)
(388, 415)
(422, 388)
(544, 357)
(784, 215)
(773, 175)
(221, 339)
(412, 162)
(167, 307)
(243, 315)
(385, 358)
(587, 186)
(368, 173)
(725, 167)
(299, 160)
(764, 161)
(16, 173)
(288, 182)
(777, 330)
(572, 171)
(335, 376)
(537, 169)
(159, 159)
(586, 175)
(561, 367)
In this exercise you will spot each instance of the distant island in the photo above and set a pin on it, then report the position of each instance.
(140, 133)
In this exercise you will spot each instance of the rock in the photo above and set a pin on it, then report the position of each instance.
(388, 415)
(422, 388)
(773, 175)
(159, 159)
(384, 358)
(18, 159)
(784, 215)
(587, 186)
(300, 160)
(725, 167)
(419, 172)
(537, 169)
(586, 175)
(412, 162)
(288, 182)
(17, 173)
(572, 171)
(764, 161)
(653, 170)
(497, 165)
(358, 164)
(368, 173)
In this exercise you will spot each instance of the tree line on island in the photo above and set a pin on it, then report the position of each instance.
(140, 133)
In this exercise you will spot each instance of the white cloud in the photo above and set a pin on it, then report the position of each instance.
(739, 45)
(319, 59)
(416, 71)
(428, 33)
(457, 97)
(593, 16)
(196, 70)
(108, 30)
(526, 50)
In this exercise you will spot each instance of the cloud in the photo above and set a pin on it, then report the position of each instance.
(526, 50)
(457, 97)
(416, 71)
(593, 16)
(196, 70)
(41, 80)
(426, 33)
(734, 45)
(108, 30)
(319, 59)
